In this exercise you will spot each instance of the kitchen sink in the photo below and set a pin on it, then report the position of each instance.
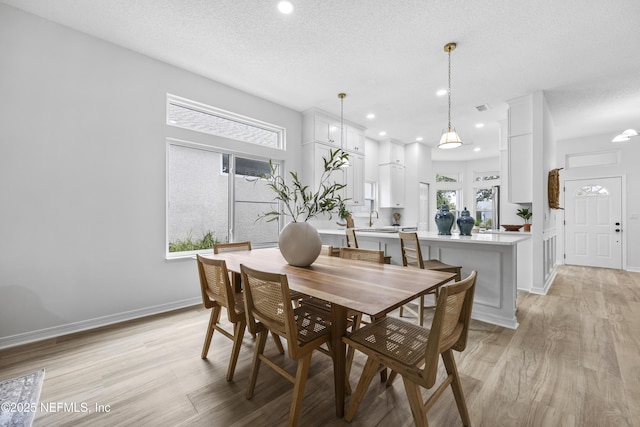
(377, 230)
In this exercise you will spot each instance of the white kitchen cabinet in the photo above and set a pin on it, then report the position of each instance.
(354, 140)
(354, 176)
(318, 126)
(521, 168)
(391, 186)
(313, 156)
(391, 152)
(520, 149)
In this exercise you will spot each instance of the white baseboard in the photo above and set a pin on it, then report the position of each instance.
(69, 328)
(547, 284)
(633, 269)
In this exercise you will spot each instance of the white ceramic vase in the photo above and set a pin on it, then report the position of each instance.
(300, 244)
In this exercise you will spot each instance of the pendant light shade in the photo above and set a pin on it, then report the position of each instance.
(449, 138)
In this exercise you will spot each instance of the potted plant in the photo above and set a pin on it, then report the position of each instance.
(299, 242)
(525, 214)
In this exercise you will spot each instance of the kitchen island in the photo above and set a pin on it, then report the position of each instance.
(493, 256)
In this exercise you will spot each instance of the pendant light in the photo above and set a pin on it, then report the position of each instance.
(449, 138)
(346, 163)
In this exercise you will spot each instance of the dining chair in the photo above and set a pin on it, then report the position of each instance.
(412, 256)
(352, 241)
(235, 278)
(326, 250)
(414, 351)
(219, 248)
(217, 292)
(268, 308)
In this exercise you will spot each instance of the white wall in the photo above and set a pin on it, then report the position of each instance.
(82, 177)
(629, 153)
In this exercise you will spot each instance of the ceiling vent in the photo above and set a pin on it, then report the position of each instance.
(483, 107)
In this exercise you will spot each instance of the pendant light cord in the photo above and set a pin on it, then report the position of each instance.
(449, 50)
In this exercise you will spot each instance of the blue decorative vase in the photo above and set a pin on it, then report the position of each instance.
(444, 220)
(465, 222)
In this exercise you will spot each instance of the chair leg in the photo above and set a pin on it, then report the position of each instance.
(255, 365)
(368, 372)
(421, 311)
(238, 334)
(392, 378)
(415, 402)
(298, 388)
(401, 310)
(278, 342)
(456, 386)
(213, 319)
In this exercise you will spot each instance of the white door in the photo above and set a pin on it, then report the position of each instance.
(593, 222)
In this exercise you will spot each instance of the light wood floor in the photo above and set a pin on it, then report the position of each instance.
(574, 361)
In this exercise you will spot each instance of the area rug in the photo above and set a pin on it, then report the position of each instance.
(19, 399)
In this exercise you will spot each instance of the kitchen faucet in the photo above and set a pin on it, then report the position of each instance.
(371, 217)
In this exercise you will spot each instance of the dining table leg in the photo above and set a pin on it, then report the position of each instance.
(339, 330)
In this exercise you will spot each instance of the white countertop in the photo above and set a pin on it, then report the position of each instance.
(510, 238)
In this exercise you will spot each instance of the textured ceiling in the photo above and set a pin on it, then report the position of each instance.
(388, 57)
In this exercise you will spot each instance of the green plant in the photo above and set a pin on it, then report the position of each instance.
(299, 201)
(189, 244)
(343, 212)
(525, 214)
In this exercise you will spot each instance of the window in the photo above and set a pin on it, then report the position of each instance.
(210, 204)
(484, 207)
(451, 177)
(592, 190)
(214, 195)
(214, 121)
(448, 188)
(486, 176)
(246, 167)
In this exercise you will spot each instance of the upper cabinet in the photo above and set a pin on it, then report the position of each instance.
(391, 152)
(319, 126)
(354, 178)
(391, 185)
(355, 140)
(324, 130)
(520, 144)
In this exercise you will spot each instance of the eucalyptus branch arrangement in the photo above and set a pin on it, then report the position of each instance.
(302, 203)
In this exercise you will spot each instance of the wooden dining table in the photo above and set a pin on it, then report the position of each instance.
(370, 288)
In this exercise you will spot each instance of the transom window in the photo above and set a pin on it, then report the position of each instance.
(203, 118)
(450, 177)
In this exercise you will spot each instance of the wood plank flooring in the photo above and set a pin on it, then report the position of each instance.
(574, 361)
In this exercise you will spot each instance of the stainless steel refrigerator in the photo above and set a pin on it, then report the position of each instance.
(495, 199)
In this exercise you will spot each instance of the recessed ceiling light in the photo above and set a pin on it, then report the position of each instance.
(371, 116)
(419, 139)
(477, 149)
(479, 125)
(441, 92)
(383, 133)
(285, 7)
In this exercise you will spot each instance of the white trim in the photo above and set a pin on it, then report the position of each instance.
(69, 328)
